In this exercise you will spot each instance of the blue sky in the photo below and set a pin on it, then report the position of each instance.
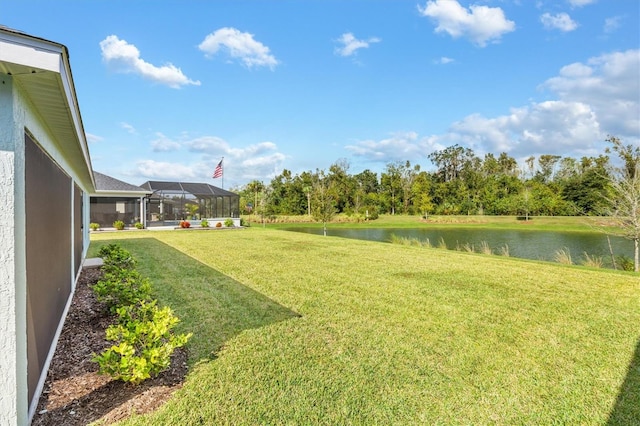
(168, 88)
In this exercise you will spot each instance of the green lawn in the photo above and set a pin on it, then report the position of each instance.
(292, 328)
(541, 223)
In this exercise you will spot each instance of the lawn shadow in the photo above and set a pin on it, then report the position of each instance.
(211, 305)
(626, 410)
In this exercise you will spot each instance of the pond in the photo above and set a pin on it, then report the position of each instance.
(526, 244)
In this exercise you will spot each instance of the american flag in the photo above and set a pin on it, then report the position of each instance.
(217, 173)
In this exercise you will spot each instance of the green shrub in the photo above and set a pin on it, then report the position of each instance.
(115, 256)
(625, 263)
(139, 225)
(204, 223)
(243, 222)
(121, 287)
(119, 225)
(94, 226)
(228, 223)
(143, 340)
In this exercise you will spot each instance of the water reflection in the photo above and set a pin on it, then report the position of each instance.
(526, 244)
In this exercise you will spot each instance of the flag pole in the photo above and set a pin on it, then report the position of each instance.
(222, 162)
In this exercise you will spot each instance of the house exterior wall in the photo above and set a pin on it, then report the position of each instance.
(24, 335)
(13, 360)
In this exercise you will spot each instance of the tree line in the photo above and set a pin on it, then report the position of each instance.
(462, 183)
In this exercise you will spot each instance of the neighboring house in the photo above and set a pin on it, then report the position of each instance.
(45, 182)
(174, 201)
(117, 200)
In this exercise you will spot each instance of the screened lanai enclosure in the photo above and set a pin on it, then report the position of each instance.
(171, 202)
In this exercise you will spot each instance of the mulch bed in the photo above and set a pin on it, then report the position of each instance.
(74, 393)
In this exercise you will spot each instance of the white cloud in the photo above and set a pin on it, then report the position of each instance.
(611, 24)
(125, 57)
(580, 3)
(561, 21)
(240, 46)
(350, 44)
(128, 127)
(163, 170)
(481, 24)
(551, 127)
(241, 164)
(91, 138)
(444, 60)
(399, 146)
(609, 84)
(164, 144)
(592, 99)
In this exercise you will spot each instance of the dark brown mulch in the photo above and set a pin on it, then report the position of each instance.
(74, 393)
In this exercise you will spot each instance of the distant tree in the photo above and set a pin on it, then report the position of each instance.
(255, 187)
(625, 194)
(391, 184)
(324, 203)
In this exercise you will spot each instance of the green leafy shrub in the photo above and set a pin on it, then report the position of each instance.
(121, 287)
(114, 256)
(139, 225)
(243, 222)
(228, 223)
(204, 223)
(119, 225)
(143, 340)
(625, 263)
(94, 226)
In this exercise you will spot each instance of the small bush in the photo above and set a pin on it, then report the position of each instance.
(119, 225)
(115, 257)
(139, 225)
(228, 223)
(625, 263)
(94, 226)
(243, 222)
(185, 224)
(504, 251)
(143, 340)
(204, 223)
(121, 287)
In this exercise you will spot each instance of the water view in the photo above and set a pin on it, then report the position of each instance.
(526, 244)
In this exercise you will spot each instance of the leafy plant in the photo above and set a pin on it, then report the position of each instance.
(204, 223)
(139, 225)
(121, 287)
(143, 340)
(94, 226)
(625, 263)
(114, 256)
(119, 225)
(228, 223)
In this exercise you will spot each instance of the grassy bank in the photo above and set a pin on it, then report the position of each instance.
(542, 223)
(292, 328)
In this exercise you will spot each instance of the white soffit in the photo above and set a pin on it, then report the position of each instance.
(41, 68)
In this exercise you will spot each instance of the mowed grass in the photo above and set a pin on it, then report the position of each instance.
(292, 328)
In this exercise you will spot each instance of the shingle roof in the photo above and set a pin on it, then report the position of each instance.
(107, 183)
